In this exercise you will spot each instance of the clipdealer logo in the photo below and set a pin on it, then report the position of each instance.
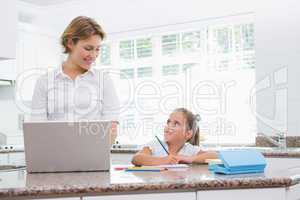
(276, 84)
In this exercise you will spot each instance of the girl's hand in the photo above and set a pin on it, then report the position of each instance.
(170, 159)
(185, 159)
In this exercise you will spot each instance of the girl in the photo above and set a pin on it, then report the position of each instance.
(75, 91)
(181, 140)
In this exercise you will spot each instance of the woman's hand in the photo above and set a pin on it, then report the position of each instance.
(113, 132)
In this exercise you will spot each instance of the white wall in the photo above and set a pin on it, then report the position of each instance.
(277, 60)
(277, 39)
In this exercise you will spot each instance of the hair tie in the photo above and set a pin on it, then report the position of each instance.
(197, 117)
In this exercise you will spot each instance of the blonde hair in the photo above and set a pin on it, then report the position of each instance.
(80, 28)
(192, 124)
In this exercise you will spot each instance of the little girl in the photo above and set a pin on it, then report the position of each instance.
(181, 140)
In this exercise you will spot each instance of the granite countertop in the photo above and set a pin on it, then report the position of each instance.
(15, 184)
(262, 144)
(270, 152)
(266, 151)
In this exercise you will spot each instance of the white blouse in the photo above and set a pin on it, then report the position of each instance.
(90, 96)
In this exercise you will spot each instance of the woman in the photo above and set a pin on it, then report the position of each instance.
(75, 91)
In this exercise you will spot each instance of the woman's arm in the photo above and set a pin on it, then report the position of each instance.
(111, 106)
(113, 132)
(144, 157)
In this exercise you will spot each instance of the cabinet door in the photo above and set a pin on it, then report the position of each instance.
(49, 52)
(8, 20)
(4, 159)
(8, 69)
(121, 158)
(244, 194)
(293, 193)
(65, 198)
(169, 196)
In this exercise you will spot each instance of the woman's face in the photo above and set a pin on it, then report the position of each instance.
(85, 52)
(176, 130)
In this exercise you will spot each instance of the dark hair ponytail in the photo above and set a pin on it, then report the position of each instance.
(192, 122)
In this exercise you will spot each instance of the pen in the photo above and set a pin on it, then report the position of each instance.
(162, 145)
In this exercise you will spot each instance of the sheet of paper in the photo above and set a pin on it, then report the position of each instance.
(173, 166)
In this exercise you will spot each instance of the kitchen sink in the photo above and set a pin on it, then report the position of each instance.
(262, 149)
(11, 167)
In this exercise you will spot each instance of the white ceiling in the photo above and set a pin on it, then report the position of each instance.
(126, 15)
(46, 2)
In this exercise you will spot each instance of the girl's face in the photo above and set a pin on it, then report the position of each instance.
(176, 130)
(85, 52)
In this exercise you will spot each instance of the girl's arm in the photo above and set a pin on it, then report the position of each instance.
(144, 157)
(203, 155)
(199, 158)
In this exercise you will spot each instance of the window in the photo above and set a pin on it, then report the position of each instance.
(245, 36)
(127, 73)
(105, 54)
(144, 48)
(133, 49)
(170, 70)
(209, 70)
(191, 41)
(127, 49)
(220, 40)
(143, 72)
(170, 44)
(188, 66)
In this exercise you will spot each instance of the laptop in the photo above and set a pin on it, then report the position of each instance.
(60, 146)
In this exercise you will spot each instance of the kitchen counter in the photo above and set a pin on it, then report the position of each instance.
(266, 151)
(19, 184)
(293, 152)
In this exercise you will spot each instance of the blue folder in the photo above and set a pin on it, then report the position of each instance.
(239, 162)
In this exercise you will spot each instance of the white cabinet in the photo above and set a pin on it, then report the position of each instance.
(36, 49)
(4, 159)
(66, 198)
(121, 158)
(8, 21)
(153, 196)
(36, 52)
(8, 69)
(293, 193)
(243, 194)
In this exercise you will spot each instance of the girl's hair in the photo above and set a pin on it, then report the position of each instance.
(80, 28)
(192, 124)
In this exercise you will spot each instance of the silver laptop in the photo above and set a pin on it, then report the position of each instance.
(55, 146)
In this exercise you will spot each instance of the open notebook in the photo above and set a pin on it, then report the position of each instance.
(156, 167)
(239, 162)
(151, 168)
